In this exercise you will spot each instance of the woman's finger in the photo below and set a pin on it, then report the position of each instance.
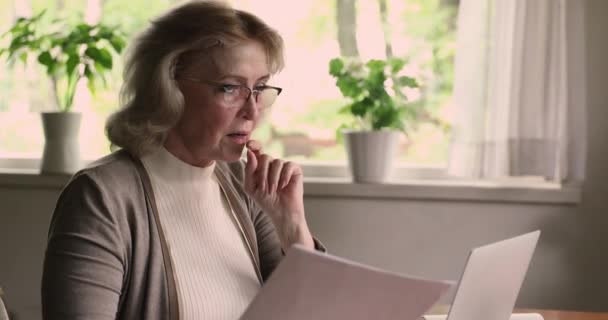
(289, 172)
(254, 146)
(250, 167)
(253, 151)
(274, 173)
(261, 173)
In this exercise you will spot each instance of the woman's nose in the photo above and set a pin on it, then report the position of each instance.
(250, 109)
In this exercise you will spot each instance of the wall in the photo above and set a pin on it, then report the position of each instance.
(24, 219)
(591, 250)
(426, 238)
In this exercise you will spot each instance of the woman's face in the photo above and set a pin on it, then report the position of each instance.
(210, 129)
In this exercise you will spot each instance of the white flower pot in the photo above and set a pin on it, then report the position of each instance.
(61, 153)
(371, 154)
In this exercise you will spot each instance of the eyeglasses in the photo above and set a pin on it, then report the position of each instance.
(236, 95)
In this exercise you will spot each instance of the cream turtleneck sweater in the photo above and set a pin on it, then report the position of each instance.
(215, 276)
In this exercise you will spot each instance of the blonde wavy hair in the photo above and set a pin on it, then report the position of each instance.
(151, 101)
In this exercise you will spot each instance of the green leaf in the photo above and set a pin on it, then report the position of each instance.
(101, 56)
(88, 73)
(376, 65)
(105, 32)
(23, 57)
(45, 58)
(100, 73)
(18, 42)
(84, 28)
(408, 82)
(93, 53)
(118, 43)
(336, 65)
(349, 87)
(70, 48)
(106, 58)
(52, 68)
(384, 117)
(92, 87)
(396, 64)
(72, 63)
(360, 108)
(375, 81)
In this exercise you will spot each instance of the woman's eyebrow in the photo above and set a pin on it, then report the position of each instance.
(266, 77)
(241, 78)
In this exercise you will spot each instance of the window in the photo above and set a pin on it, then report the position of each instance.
(302, 125)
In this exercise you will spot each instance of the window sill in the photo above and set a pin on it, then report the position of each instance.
(446, 190)
(26, 178)
(414, 189)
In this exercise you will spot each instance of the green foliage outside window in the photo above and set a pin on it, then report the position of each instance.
(67, 53)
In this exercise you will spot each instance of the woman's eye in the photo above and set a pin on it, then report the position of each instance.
(229, 88)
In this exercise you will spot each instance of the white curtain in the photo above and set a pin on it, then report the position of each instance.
(519, 90)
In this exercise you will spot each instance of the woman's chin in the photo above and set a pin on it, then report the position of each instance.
(234, 154)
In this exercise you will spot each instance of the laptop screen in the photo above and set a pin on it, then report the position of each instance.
(492, 277)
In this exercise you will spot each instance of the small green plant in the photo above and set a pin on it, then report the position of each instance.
(365, 84)
(68, 53)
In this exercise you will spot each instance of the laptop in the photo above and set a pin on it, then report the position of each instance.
(491, 280)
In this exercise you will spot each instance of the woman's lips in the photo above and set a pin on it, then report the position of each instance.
(239, 138)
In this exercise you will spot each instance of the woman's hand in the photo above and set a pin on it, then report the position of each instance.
(277, 187)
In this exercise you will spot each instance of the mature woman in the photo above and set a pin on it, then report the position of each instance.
(174, 225)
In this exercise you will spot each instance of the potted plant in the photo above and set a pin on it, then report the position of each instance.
(69, 53)
(379, 113)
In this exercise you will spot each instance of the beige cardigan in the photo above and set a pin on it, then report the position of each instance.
(107, 257)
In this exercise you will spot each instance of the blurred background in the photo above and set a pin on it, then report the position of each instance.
(302, 125)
